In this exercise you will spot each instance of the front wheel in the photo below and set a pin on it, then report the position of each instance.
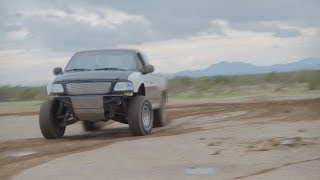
(140, 116)
(48, 121)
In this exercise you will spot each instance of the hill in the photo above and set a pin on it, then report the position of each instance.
(239, 68)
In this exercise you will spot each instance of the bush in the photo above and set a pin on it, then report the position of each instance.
(18, 93)
(314, 85)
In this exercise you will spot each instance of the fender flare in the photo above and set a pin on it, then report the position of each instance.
(137, 81)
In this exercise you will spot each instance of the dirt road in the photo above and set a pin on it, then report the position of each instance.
(269, 139)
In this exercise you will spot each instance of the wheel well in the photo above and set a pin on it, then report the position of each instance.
(141, 90)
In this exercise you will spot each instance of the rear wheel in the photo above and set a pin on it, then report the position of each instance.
(48, 119)
(92, 126)
(140, 116)
(160, 118)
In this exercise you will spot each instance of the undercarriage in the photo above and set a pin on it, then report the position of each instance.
(72, 109)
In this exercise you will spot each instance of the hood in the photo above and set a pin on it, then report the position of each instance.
(93, 75)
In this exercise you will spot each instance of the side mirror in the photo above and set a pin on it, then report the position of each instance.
(57, 70)
(147, 69)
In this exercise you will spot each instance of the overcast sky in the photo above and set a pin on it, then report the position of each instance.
(37, 35)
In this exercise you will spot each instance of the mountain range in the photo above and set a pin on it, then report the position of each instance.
(240, 68)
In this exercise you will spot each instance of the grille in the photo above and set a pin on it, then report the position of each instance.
(88, 88)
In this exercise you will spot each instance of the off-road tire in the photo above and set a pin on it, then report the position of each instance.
(160, 118)
(92, 126)
(49, 126)
(135, 113)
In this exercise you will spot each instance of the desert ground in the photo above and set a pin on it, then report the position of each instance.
(235, 139)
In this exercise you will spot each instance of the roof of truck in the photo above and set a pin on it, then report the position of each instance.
(118, 49)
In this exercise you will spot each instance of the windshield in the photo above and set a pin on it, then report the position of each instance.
(103, 60)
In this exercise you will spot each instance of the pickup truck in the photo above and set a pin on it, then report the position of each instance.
(101, 85)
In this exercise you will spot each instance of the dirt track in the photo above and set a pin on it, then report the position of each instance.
(300, 119)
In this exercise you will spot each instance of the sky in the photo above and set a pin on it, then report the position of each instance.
(38, 35)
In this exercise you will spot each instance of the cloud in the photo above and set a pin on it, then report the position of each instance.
(74, 28)
(260, 48)
(38, 35)
(287, 32)
(18, 34)
(278, 28)
(41, 14)
(192, 52)
(106, 17)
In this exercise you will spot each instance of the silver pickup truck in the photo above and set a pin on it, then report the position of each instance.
(100, 85)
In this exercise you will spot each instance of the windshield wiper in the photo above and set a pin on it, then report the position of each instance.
(117, 69)
(78, 69)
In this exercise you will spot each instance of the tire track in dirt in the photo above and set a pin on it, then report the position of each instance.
(264, 171)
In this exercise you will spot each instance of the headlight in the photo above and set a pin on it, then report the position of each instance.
(54, 88)
(123, 86)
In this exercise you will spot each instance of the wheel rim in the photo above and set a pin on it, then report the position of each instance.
(146, 117)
